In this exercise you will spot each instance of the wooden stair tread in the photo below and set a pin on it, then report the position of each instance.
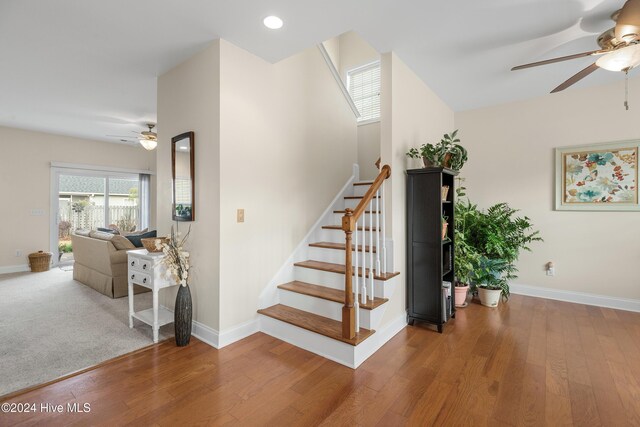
(312, 322)
(358, 197)
(363, 183)
(339, 227)
(340, 246)
(330, 294)
(340, 269)
(344, 212)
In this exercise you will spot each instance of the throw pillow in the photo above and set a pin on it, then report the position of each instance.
(136, 238)
(107, 230)
(121, 242)
(84, 233)
(129, 233)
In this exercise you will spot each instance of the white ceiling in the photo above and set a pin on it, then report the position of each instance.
(88, 68)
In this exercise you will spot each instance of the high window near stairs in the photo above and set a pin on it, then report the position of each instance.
(363, 84)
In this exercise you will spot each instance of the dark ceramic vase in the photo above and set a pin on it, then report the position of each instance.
(182, 316)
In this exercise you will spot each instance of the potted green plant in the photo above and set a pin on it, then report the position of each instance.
(488, 280)
(447, 153)
(489, 242)
(466, 257)
(430, 154)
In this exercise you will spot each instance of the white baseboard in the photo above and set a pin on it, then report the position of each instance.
(577, 297)
(238, 332)
(219, 339)
(14, 269)
(205, 334)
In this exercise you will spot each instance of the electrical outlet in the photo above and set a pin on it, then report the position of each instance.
(36, 212)
(240, 215)
(551, 269)
(18, 252)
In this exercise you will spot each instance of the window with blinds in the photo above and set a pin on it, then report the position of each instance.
(364, 87)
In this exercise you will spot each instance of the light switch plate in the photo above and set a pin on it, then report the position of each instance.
(240, 215)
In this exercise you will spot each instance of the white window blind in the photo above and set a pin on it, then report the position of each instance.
(364, 88)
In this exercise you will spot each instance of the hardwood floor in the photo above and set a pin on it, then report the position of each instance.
(530, 362)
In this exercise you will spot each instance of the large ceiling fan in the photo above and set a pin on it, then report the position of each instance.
(619, 47)
(147, 138)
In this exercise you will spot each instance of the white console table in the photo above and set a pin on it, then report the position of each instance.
(145, 269)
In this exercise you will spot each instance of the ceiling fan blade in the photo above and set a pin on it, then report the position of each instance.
(119, 136)
(576, 77)
(560, 59)
(628, 23)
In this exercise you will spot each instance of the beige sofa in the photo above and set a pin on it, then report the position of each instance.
(101, 262)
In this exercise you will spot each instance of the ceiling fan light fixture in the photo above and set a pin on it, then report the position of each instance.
(621, 59)
(148, 144)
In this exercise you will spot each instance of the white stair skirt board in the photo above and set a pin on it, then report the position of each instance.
(14, 269)
(577, 297)
(345, 354)
(369, 319)
(221, 339)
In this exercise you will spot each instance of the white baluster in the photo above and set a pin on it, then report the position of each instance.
(384, 233)
(371, 272)
(357, 282)
(364, 261)
(377, 232)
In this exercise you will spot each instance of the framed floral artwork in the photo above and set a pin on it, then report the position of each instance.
(598, 177)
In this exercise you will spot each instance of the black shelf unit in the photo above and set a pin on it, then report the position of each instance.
(429, 257)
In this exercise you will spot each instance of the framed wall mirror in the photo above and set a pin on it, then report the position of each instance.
(182, 162)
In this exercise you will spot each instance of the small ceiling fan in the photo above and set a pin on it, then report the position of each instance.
(619, 47)
(148, 138)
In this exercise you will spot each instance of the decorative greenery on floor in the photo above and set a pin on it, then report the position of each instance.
(488, 243)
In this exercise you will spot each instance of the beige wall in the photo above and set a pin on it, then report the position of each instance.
(288, 142)
(412, 114)
(368, 150)
(189, 100)
(25, 182)
(353, 52)
(277, 140)
(511, 159)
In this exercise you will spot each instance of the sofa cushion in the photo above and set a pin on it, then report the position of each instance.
(84, 233)
(101, 235)
(136, 238)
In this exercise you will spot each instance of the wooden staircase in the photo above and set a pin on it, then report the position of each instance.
(316, 300)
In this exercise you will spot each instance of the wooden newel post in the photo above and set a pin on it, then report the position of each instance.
(348, 311)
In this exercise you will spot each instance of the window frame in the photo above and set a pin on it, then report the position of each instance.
(362, 68)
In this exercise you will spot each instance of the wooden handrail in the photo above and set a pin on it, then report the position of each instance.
(349, 221)
(385, 173)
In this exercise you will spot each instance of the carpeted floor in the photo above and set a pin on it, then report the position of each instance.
(51, 325)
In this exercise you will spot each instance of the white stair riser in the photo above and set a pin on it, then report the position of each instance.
(335, 350)
(336, 256)
(360, 190)
(322, 307)
(338, 236)
(336, 281)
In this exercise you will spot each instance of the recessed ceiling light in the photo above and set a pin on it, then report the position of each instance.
(273, 22)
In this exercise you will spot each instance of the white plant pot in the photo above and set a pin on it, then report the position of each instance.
(489, 297)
